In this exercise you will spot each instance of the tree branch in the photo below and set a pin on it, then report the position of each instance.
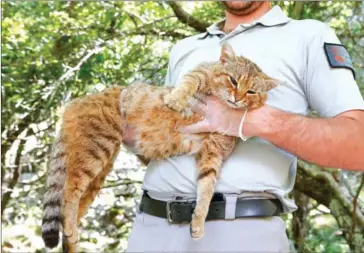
(139, 31)
(16, 173)
(355, 203)
(146, 32)
(186, 18)
(321, 186)
(69, 73)
(297, 10)
(124, 182)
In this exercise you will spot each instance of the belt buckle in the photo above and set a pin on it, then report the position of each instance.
(168, 207)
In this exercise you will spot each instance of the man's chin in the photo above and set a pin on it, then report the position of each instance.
(241, 7)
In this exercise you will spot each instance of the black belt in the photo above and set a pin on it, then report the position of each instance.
(179, 211)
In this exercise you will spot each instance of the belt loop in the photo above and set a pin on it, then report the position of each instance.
(230, 207)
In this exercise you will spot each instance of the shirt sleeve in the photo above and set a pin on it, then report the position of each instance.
(330, 91)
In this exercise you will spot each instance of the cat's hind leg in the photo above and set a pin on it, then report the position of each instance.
(84, 170)
(213, 151)
(86, 200)
(91, 193)
(94, 188)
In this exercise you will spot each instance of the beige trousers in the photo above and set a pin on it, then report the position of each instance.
(153, 234)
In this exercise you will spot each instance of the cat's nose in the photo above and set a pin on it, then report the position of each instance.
(232, 98)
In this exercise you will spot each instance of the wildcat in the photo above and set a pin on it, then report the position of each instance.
(93, 126)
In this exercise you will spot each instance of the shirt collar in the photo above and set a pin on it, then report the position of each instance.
(273, 17)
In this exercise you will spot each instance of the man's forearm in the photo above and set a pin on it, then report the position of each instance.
(334, 142)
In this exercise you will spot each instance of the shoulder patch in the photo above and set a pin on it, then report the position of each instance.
(338, 56)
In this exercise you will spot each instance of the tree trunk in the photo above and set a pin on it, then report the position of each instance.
(299, 225)
(320, 185)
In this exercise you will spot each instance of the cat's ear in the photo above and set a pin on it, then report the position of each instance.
(270, 84)
(227, 53)
(265, 84)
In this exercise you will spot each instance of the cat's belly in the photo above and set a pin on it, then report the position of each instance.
(158, 138)
(156, 126)
(161, 145)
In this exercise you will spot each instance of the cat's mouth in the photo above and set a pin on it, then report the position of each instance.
(240, 104)
(232, 104)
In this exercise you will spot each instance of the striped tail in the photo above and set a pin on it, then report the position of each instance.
(52, 217)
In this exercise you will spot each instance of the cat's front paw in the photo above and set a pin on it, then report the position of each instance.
(197, 228)
(71, 234)
(69, 247)
(174, 102)
(70, 229)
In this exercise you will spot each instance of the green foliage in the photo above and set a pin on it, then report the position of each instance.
(56, 50)
(328, 233)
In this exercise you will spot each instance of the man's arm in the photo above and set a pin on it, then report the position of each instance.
(333, 142)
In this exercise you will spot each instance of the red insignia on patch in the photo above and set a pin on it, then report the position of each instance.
(338, 56)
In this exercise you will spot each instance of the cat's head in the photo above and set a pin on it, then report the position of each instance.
(242, 84)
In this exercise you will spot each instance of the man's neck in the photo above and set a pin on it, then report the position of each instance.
(232, 21)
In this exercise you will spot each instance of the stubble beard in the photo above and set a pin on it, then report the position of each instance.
(241, 8)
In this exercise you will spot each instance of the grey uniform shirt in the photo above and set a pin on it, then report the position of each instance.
(289, 50)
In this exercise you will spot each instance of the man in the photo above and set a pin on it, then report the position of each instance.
(316, 74)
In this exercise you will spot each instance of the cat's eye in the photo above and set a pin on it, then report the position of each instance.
(251, 92)
(233, 81)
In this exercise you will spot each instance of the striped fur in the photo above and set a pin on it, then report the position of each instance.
(92, 130)
(52, 217)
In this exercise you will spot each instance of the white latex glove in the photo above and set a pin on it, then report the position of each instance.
(218, 117)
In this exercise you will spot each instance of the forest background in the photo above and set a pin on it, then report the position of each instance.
(53, 51)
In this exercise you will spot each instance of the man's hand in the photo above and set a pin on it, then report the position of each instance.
(220, 118)
(128, 135)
